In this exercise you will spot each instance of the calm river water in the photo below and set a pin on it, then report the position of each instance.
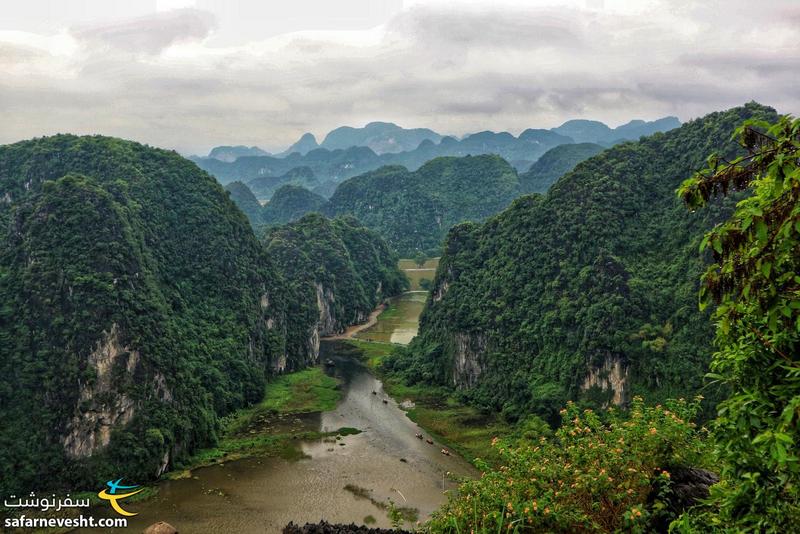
(263, 494)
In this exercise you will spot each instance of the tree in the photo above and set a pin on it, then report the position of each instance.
(756, 286)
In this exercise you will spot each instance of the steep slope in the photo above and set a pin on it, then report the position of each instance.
(138, 308)
(338, 270)
(290, 203)
(246, 201)
(302, 146)
(414, 210)
(555, 163)
(587, 292)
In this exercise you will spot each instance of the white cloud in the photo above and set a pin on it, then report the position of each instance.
(170, 80)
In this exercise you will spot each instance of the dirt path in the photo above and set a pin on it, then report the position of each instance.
(355, 329)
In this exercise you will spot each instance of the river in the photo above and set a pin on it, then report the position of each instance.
(256, 495)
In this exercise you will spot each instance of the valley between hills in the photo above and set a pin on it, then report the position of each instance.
(410, 331)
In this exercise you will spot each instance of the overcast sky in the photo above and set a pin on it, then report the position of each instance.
(191, 74)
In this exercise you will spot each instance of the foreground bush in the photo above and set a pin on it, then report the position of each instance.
(755, 285)
(597, 474)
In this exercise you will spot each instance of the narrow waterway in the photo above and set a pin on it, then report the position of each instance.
(400, 321)
(343, 480)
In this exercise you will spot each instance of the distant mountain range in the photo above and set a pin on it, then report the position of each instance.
(411, 210)
(232, 153)
(346, 152)
(583, 131)
(381, 137)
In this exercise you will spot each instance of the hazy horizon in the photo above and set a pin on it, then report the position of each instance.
(194, 74)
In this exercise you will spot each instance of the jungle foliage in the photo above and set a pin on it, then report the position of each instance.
(555, 163)
(338, 262)
(755, 286)
(600, 472)
(414, 210)
(597, 279)
(289, 203)
(137, 303)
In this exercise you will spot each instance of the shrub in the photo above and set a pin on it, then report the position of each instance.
(596, 474)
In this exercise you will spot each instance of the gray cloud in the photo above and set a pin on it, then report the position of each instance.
(166, 79)
(150, 34)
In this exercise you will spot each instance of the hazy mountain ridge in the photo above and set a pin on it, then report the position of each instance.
(232, 153)
(335, 162)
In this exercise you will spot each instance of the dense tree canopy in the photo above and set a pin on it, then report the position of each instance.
(137, 307)
(587, 292)
(414, 210)
(289, 203)
(246, 201)
(555, 163)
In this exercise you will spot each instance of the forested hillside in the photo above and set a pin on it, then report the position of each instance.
(414, 210)
(138, 307)
(264, 187)
(289, 203)
(587, 131)
(246, 201)
(587, 292)
(381, 137)
(232, 153)
(337, 270)
(555, 163)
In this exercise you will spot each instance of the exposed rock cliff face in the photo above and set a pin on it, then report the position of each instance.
(468, 358)
(338, 270)
(143, 306)
(103, 402)
(611, 377)
(328, 323)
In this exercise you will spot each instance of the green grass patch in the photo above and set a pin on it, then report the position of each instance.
(286, 446)
(391, 311)
(309, 390)
(372, 353)
(244, 434)
(306, 391)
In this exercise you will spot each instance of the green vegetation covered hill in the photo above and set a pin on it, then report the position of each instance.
(586, 292)
(381, 137)
(246, 201)
(264, 187)
(289, 203)
(414, 210)
(555, 163)
(586, 131)
(138, 308)
(337, 270)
